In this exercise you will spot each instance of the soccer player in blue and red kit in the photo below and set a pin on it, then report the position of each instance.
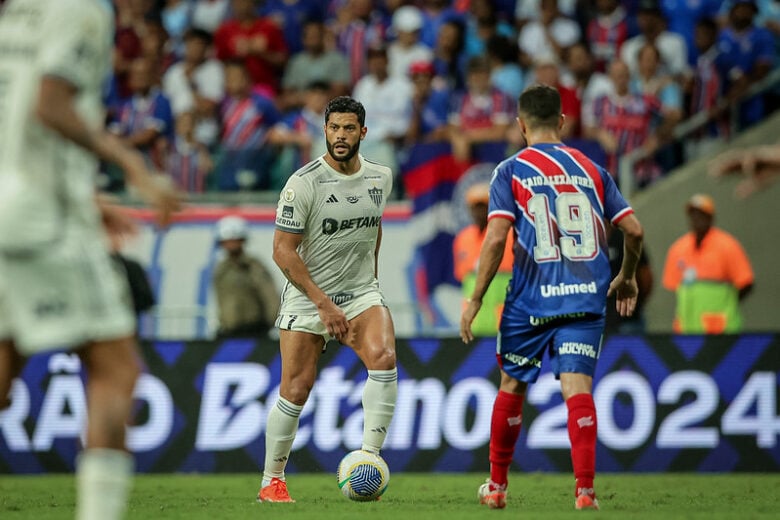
(556, 201)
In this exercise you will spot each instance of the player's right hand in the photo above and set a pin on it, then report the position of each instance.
(466, 319)
(334, 319)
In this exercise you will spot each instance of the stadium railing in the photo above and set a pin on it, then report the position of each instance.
(688, 127)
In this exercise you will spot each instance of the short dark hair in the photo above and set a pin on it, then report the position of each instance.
(346, 105)
(198, 34)
(540, 105)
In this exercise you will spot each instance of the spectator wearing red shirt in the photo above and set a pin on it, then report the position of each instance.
(481, 114)
(547, 72)
(256, 41)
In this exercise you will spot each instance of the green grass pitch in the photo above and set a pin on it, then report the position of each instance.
(412, 496)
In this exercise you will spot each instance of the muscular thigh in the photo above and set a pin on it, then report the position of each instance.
(372, 336)
(300, 353)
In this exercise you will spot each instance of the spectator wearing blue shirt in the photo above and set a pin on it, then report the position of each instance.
(505, 74)
(650, 81)
(290, 16)
(747, 56)
(682, 15)
(430, 106)
(145, 120)
(482, 24)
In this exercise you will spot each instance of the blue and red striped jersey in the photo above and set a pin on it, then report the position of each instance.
(245, 122)
(558, 200)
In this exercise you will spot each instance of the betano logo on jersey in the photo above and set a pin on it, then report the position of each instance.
(331, 225)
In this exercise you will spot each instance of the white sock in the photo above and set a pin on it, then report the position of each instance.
(280, 430)
(103, 479)
(379, 397)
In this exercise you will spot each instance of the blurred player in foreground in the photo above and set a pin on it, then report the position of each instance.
(58, 287)
(557, 200)
(328, 233)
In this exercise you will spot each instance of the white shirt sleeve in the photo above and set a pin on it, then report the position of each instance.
(294, 205)
(78, 47)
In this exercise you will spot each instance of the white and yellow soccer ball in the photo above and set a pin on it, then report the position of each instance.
(363, 476)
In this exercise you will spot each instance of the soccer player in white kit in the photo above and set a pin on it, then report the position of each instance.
(328, 233)
(57, 284)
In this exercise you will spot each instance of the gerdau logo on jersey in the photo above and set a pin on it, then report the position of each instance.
(331, 225)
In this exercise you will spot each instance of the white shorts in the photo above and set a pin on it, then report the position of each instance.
(63, 296)
(312, 324)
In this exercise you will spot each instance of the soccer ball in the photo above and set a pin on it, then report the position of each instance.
(363, 476)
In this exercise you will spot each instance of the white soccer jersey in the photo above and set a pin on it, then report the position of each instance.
(47, 182)
(339, 216)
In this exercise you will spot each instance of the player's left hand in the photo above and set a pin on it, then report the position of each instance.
(626, 292)
(467, 317)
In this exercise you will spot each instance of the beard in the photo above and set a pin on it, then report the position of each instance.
(342, 158)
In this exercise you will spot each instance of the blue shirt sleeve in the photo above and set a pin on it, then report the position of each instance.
(502, 200)
(614, 203)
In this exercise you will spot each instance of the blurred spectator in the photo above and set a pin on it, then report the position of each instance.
(176, 18)
(359, 26)
(530, 10)
(608, 31)
(747, 56)
(300, 132)
(155, 48)
(145, 120)
(388, 103)
(547, 72)
(314, 63)
(614, 322)
(482, 24)
(130, 29)
(481, 114)
(197, 84)
(682, 17)
(505, 72)
(623, 122)
(465, 251)
(209, 14)
(248, 121)
(449, 58)
(550, 34)
(430, 106)
(652, 27)
(649, 80)
(587, 83)
(407, 49)
(436, 13)
(188, 162)
(291, 16)
(247, 299)
(709, 272)
(706, 88)
(257, 41)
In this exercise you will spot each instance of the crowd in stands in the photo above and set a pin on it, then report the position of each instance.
(229, 94)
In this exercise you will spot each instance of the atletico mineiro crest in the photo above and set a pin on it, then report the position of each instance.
(376, 195)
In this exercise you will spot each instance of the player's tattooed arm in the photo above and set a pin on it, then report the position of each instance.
(297, 285)
(285, 255)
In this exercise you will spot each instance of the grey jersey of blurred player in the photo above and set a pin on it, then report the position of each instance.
(339, 216)
(46, 181)
(58, 286)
